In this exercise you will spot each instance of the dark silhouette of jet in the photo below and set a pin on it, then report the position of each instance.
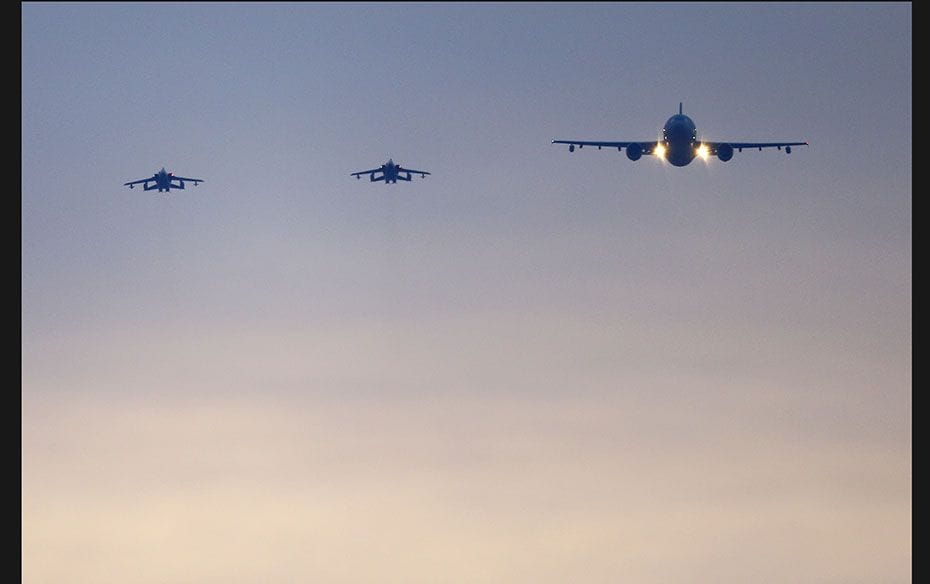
(164, 181)
(390, 173)
(679, 144)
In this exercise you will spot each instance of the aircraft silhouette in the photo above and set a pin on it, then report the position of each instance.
(679, 144)
(163, 181)
(390, 173)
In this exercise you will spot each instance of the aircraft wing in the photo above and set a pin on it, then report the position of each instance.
(361, 172)
(713, 146)
(410, 170)
(193, 180)
(647, 147)
(141, 180)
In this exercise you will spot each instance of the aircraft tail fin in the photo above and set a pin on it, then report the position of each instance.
(679, 108)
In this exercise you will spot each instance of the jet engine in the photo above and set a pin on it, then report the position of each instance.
(634, 151)
(724, 152)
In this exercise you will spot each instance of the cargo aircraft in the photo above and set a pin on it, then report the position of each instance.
(679, 144)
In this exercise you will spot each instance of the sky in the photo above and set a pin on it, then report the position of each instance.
(529, 366)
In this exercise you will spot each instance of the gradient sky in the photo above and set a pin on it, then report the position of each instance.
(530, 366)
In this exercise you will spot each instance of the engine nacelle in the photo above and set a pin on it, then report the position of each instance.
(724, 152)
(634, 151)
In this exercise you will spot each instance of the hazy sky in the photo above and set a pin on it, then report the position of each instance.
(530, 366)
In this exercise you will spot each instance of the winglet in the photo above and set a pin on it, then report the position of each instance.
(679, 108)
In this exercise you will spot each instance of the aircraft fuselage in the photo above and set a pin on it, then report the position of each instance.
(390, 172)
(163, 179)
(679, 138)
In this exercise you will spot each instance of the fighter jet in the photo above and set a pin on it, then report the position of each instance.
(164, 181)
(390, 173)
(679, 144)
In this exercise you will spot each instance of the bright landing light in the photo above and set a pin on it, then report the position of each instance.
(660, 151)
(703, 151)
